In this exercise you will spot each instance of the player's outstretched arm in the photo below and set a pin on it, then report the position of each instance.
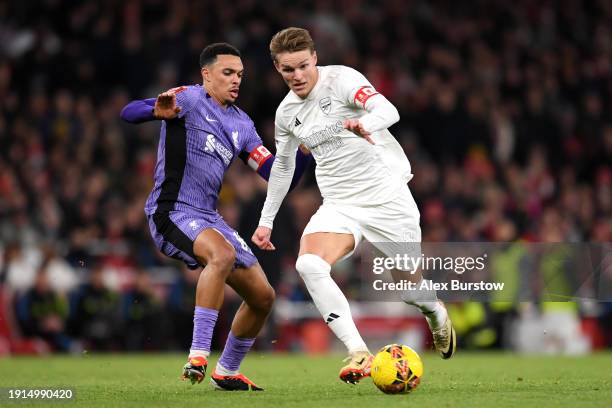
(138, 111)
(261, 238)
(163, 107)
(357, 127)
(381, 114)
(358, 92)
(261, 160)
(278, 186)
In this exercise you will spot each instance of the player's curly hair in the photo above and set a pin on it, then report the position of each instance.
(291, 39)
(209, 54)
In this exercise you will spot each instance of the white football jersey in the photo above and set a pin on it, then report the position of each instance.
(349, 169)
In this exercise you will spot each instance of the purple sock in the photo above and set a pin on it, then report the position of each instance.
(234, 352)
(204, 320)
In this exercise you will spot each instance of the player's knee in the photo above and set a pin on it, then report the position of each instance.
(223, 259)
(311, 266)
(266, 300)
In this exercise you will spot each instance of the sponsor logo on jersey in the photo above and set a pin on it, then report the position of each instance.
(325, 105)
(364, 93)
(210, 119)
(326, 140)
(210, 144)
(213, 146)
(297, 122)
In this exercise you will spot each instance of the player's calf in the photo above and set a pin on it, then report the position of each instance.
(263, 302)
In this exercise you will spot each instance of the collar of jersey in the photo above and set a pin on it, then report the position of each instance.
(215, 104)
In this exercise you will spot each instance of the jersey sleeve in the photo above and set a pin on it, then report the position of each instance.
(254, 153)
(286, 142)
(252, 139)
(354, 88)
(357, 91)
(186, 97)
(138, 111)
(281, 173)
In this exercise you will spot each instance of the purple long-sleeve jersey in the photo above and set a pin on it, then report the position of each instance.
(195, 150)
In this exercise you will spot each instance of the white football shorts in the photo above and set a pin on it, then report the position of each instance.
(387, 226)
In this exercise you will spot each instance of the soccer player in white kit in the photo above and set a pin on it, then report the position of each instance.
(362, 173)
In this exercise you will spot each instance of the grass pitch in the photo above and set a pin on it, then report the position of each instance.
(469, 379)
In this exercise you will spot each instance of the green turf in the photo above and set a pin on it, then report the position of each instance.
(500, 380)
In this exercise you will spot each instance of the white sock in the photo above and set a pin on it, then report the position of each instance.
(427, 302)
(199, 353)
(219, 369)
(330, 300)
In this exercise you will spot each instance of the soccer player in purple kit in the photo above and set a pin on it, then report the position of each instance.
(201, 134)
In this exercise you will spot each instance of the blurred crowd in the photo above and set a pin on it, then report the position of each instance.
(506, 117)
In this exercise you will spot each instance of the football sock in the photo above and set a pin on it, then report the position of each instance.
(330, 300)
(204, 321)
(427, 302)
(234, 352)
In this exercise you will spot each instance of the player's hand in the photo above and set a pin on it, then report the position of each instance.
(261, 238)
(165, 106)
(304, 149)
(357, 128)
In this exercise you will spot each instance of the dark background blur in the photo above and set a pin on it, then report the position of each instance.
(506, 117)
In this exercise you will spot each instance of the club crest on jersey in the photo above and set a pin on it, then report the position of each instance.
(325, 105)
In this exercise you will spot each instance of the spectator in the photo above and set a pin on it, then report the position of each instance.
(145, 323)
(181, 303)
(43, 313)
(96, 312)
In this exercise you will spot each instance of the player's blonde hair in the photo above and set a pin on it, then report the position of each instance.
(291, 39)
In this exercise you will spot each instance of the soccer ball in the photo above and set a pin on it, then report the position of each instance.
(396, 369)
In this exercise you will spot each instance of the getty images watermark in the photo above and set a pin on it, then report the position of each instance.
(410, 264)
(486, 271)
